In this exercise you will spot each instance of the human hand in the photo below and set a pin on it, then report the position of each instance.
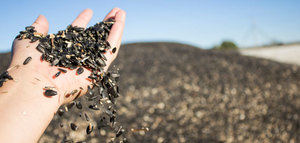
(41, 73)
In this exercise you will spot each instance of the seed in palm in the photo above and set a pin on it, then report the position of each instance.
(50, 93)
(80, 70)
(27, 60)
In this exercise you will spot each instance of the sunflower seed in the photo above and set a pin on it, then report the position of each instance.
(62, 70)
(73, 126)
(89, 129)
(27, 60)
(50, 92)
(80, 70)
(57, 74)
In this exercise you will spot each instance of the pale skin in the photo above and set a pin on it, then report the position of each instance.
(25, 111)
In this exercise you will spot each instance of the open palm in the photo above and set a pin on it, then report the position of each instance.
(40, 72)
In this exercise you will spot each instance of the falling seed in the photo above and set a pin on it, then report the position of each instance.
(139, 130)
(94, 107)
(78, 95)
(27, 60)
(60, 112)
(50, 92)
(90, 91)
(70, 105)
(73, 127)
(86, 117)
(120, 131)
(80, 70)
(114, 50)
(78, 105)
(57, 74)
(89, 129)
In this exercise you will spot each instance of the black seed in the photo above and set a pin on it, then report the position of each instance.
(89, 129)
(62, 70)
(70, 105)
(57, 74)
(55, 62)
(73, 127)
(72, 67)
(94, 107)
(80, 70)
(90, 91)
(50, 92)
(60, 112)
(61, 125)
(114, 50)
(40, 48)
(86, 117)
(100, 62)
(27, 60)
(78, 105)
(120, 132)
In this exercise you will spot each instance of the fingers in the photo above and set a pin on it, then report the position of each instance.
(41, 25)
(112, 13)
(83, 18)
(115, 35)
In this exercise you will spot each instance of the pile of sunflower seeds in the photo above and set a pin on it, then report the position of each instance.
(79, 48)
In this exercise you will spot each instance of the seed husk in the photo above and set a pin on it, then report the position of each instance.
(50, 92)
(27, 60)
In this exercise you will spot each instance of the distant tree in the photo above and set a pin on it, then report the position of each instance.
(226, 45)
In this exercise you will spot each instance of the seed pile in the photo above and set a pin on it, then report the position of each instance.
(79, 48)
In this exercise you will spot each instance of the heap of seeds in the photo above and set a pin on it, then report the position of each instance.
(79, 48)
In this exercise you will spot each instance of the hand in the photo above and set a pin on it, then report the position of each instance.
(66, 82)
(25, 111)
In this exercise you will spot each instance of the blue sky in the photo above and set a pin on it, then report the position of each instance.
(203, 23)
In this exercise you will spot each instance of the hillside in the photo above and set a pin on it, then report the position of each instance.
(186, 94)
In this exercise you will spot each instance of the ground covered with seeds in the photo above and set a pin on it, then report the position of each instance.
(178, 93)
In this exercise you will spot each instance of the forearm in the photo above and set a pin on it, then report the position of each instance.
(25, 111)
